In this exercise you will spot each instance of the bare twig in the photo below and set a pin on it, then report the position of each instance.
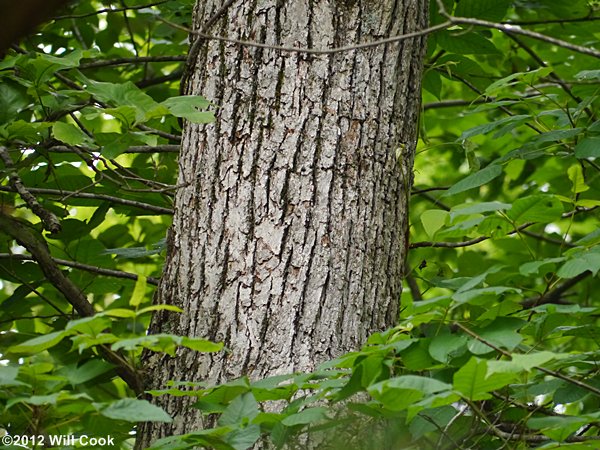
(109, 10)
(50, 221)
(85, 267)
(133, 60)
(166, 148)
(453, 103)
(515, 29)
(554, 296)
(551, 21)
(109, 198)
(164, 134)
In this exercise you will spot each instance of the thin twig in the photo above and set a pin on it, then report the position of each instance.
(109, 10)
(554, 296)
(515, 29)
(109, 198)
(50, 221)
(132, 60)
(551, 21)
(166, 148)
(164, 134)
(85, 267)
(453, 103)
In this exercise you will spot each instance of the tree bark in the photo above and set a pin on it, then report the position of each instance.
(290, 230)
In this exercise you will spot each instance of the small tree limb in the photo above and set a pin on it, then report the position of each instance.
(50, 221)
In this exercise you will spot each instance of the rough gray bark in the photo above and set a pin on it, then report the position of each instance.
(289, 236)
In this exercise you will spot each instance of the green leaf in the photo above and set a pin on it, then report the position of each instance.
(588, 75)
(139, 291)
(8, 376)
(244, 438)
(134, 410)
(69, 134)
(124, 94)
(433, 83)
(92, 326)
(466, 43)
(492, 10)
(444, 347)
(508, 82)
(534, 267)
(190, 108)
(558, 428)
(12, 100)
(474, 180)
(151, 308)
(536, 208)
(469, 295)
(472, 381)
(306, 416)
(401, 392)
(201, 345)
(241, 410)
(39, 344)
(521, 363)
(477, 208)
(86, 372)
(581, 262)
(588, 147)
(433, 220)
(576, 176)
(505, 125)
(156, 342)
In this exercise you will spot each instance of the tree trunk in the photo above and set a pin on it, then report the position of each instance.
(290, 230)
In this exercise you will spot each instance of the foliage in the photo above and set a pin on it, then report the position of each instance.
(497, 343)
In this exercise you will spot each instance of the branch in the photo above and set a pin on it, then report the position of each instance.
(515, 29)
(551, 21)
(175, 75)
(132, 60)
(430, 189)
(541, 237)
(448, 244)
(38, 248)
(554, 296)
(166, 148)
(50, 221)
(120, 201)
(88, 268)
(453, 103)
(538, 437)
(553, 373)
(109, 10)
(164, 134)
